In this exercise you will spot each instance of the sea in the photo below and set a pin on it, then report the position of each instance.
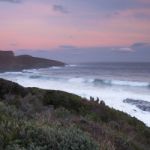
(110, 82)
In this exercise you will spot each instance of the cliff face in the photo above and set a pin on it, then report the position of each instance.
(6, 54)
(10, 62)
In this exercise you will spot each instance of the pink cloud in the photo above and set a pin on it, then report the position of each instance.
(38, 26)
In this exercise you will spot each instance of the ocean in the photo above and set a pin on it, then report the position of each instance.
(110, 82)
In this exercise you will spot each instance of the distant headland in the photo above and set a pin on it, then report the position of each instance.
(10, 62)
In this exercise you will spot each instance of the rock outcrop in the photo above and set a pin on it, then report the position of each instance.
(143, 105)
(10, 62)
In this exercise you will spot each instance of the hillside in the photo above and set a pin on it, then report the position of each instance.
(10, 62)
(36, 119)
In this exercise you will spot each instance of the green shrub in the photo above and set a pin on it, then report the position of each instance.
(66, 100)
(15, 147)
(62, 113)
(16, 101)
(25, 114)
(53, 138)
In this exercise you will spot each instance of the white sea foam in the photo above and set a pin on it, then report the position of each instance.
(122, 83)
(71, 65)
(77, 80)
(55, 67)
(130, 83)
(86, 87)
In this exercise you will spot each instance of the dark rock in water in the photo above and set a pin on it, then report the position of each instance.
(143, 105)
(10, 62)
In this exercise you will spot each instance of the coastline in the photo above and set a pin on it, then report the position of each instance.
(49, 111)
(21, 62)
(113, 95)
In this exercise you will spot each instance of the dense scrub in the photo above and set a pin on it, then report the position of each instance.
(35, 119)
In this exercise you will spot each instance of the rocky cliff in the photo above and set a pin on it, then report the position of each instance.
(10, 62)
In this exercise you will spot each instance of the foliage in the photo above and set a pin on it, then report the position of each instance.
(36, 119)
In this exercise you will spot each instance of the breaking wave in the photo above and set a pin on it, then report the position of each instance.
(36, 74)
(122, 83)
(113, 92)
(100, 82)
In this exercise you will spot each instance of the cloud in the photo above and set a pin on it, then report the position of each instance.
(70, 53)
(112, 14)
(68, 47)
(11, 1)
(126, 49)
(140, 44)
(60, 8)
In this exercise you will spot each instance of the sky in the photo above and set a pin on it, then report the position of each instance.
(77, 30)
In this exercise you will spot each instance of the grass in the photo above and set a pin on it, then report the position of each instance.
(36, 119)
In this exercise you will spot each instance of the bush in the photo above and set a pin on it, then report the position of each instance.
(35, 119)
(15, 147)
(62, 113)
(69, 101)
(52, 138)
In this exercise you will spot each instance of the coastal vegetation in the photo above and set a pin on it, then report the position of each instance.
(36, 119)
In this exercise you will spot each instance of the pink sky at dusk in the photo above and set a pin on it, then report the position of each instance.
(44, 24)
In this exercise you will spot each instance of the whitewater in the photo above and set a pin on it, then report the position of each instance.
(110, 82)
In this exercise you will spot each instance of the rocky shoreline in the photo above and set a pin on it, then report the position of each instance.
(143, 105)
